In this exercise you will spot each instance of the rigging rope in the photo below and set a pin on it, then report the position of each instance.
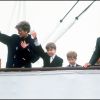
(85, 10)
(76, 18)
(24, 10)
(12, 16)
(59, 23)
(69, 11)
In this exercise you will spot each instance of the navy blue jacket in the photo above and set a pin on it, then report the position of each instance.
(57, 61)
(17, 56)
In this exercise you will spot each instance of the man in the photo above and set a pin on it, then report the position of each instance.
(95, 55)
(21, 48)
(50, 58)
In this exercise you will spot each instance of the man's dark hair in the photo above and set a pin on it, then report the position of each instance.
(24, 25)
(51, 45)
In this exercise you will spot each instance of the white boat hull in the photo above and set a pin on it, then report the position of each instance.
(66, 84)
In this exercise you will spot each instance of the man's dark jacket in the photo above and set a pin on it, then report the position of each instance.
(96, 53)
(17, 56)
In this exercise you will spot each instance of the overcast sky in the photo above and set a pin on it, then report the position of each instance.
(44, 17)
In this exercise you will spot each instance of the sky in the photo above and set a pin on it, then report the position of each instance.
(44, 17)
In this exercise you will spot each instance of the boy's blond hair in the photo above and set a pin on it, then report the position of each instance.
(72, 54)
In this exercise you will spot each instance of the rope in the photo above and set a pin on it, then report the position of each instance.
(12, 16)
(58, 25)
(69, 11)
(53, 31)
(76, 18)
(24, 10)
(18, 11)
(85, 10)
(59, 36)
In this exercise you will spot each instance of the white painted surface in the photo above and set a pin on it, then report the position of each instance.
(50, 85)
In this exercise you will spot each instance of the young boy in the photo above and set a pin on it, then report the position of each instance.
(50, 59)
(72, 57)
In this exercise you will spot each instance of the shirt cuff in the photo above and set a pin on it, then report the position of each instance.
(36, 42)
